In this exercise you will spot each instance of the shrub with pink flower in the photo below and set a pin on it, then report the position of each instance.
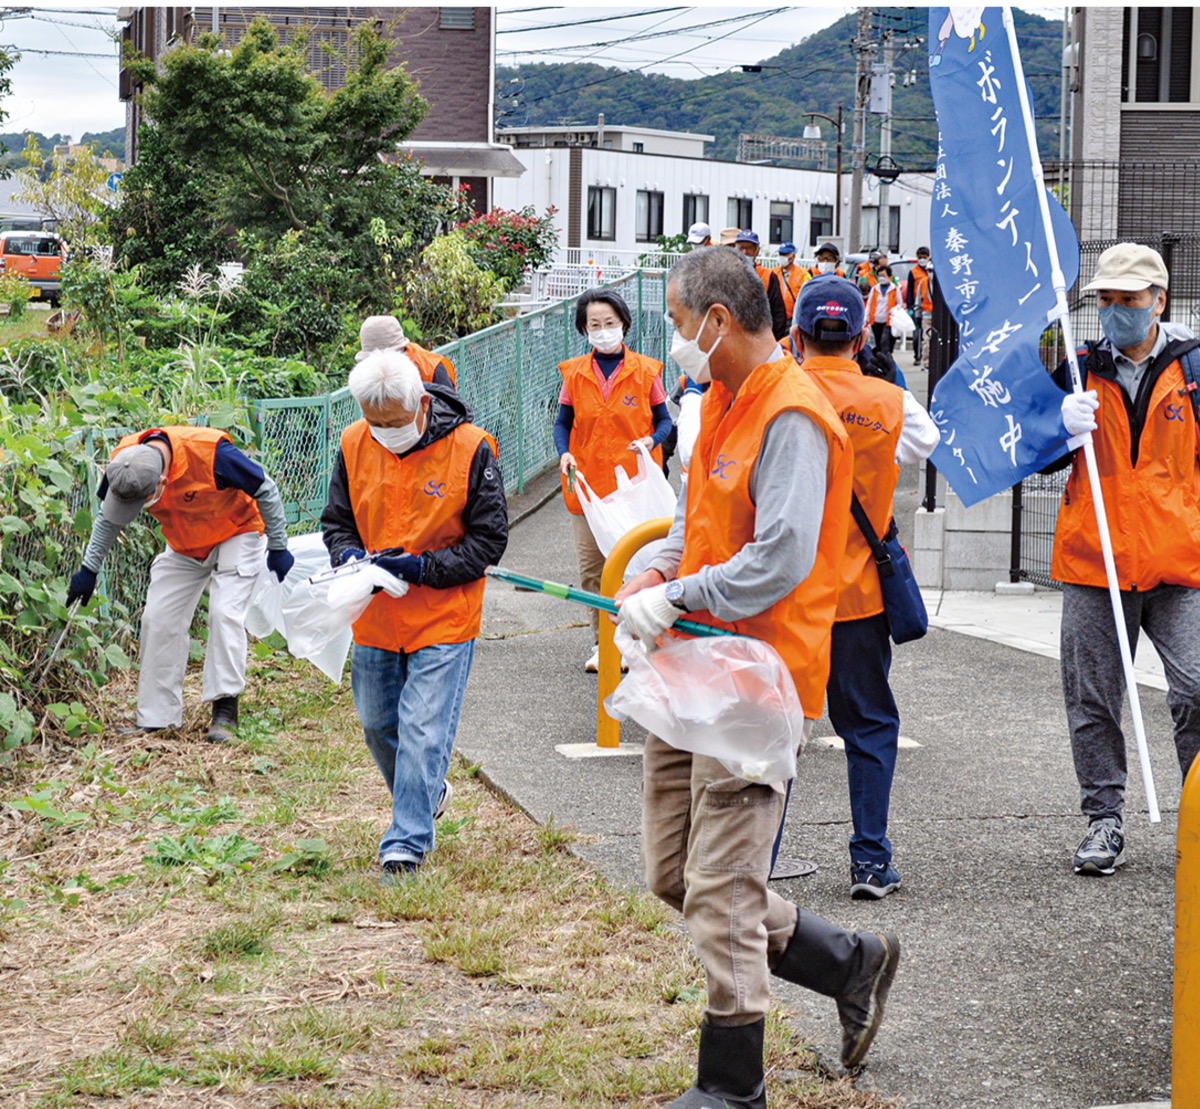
(510, 243)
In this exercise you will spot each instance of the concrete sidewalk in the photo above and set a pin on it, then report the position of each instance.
(1022, 985)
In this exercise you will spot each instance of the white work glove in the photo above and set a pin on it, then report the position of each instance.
(1079, 412)
(647, 613)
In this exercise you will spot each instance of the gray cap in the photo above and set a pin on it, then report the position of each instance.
(380, 333)
(132, 478)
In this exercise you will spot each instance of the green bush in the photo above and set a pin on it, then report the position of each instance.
(448, 295)
(292, 298)
(509, 243)
(16, 293)
(45, 522)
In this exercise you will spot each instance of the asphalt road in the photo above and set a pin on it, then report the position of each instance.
(1021, 985)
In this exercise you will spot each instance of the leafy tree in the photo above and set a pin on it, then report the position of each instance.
(69, 187)
(284, 154)
(247, 143)
(166, 220)
(6, 63)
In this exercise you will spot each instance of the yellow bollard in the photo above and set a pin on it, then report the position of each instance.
(1185, 1038)
(608, 730)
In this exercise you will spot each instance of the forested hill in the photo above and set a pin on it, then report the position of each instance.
(107, 142)
(815, 75)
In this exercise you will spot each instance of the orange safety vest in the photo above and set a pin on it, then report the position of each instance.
(791, 280)
(194, 514)
(837, 271)
(415, 502)
(920, 277)
(721, 515)
(893, 298)
(1153, 506)
(872, 411)
(866, 272)
(603, 428)
(427, 362)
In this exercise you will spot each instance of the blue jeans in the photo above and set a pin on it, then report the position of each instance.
(863, 712)
(409, 706)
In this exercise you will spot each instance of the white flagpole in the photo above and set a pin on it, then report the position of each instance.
(1062, 313)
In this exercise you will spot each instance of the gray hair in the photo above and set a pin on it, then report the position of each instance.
(718, 275)
(385, 376)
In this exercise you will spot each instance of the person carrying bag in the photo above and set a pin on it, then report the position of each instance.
(878, 601)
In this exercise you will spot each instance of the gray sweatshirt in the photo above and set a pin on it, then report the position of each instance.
(788, 489)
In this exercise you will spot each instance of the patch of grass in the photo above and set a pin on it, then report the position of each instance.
(112, 1074)
(237, 940)
(270, 1062)
(506, 973)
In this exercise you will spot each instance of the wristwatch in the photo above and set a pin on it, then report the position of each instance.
(674, 593)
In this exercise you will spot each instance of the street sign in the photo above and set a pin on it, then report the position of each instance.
(114, 182)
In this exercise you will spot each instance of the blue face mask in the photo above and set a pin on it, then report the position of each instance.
(1126, 327)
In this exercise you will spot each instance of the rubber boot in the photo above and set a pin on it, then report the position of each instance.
(224, 720)
(730, 1072)
(855, 968)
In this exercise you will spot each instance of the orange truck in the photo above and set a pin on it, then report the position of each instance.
(35, 256)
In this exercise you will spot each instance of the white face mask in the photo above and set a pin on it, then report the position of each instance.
(690, 358)
(397, 439)
(607, 340)
(827, 267)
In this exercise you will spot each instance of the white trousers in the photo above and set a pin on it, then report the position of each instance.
(176, 584)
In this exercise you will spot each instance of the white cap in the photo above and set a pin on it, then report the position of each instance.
(698, 232)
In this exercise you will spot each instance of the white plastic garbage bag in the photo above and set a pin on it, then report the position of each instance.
(645, 496)
(728, 697)
(901, 322)
(316, 617)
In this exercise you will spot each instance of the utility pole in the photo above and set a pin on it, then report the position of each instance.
(862, 61)
(885, 145)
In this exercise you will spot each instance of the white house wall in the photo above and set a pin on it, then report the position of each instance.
(546, 183)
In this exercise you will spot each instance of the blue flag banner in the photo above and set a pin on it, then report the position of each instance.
(997, 409)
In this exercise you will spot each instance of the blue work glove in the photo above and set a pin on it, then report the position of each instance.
(280, 562)
(410, 568)
(83, 585)
(348, 553)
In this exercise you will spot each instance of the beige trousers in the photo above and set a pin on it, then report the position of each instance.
(706, 847)
(591, 565)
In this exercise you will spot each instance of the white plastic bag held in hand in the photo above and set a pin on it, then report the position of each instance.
(901, 322)
(645, 496)
(728, 697)
(315, 617)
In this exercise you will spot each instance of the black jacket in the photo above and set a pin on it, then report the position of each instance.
(781, 322)
(485, 515)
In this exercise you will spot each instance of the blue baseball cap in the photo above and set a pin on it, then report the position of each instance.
(830, 307)
(746, 236)
(787, 248)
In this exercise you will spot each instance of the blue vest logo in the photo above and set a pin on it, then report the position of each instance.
(629, 401)
(722, 465)
(1175, 412)
(435, 488)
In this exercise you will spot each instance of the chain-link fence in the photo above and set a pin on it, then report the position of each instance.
(507, 373)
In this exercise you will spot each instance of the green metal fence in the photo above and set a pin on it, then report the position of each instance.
(507, 373)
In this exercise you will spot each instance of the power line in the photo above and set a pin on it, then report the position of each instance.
(60, 53)
(642, 37)
(585, 22)
(638, 69)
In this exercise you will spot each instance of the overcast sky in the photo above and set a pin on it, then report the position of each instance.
(66, 80)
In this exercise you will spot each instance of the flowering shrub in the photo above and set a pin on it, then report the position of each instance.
(509, 243)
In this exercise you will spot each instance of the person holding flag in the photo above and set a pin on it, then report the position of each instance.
(1142, 419)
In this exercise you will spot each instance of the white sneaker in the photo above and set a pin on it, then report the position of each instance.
(592, 666)
(444, 802)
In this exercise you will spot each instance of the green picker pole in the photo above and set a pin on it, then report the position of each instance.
(592, 600)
